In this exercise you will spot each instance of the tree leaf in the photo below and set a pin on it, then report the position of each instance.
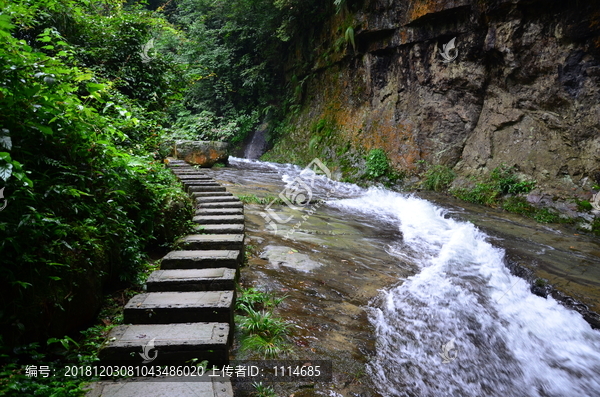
(6, 171)
(6, 142)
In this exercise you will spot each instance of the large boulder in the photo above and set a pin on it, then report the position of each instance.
(202, 153)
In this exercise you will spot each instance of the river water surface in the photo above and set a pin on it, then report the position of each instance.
(405, 299)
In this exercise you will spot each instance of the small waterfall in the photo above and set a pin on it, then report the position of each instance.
(257, 144)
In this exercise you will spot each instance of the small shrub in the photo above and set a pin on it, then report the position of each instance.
(256, 300)
(377, 163)
(502, 181)
(263, 391)
(482, 193)
(438, 178)
(545, 215)
(263, 334)
(518, 205)
(254, 199)
(506, 182)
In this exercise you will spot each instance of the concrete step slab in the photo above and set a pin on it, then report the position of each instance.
(199, 182)
(220, 211)
(197, 188)
(193, 176)
(180, 307)
(211, 242)
(222, 204)
(216, 199)
(220, 229)
(219, 279)
(204, 259)
(186, 170)
(213, 194)
(173, 343)
(204, 386)
(218, 219)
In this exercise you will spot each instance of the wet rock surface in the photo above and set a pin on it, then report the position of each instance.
(522, 91)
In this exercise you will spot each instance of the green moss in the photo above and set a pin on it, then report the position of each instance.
(540, 282)
(584, 205)
(596, 227)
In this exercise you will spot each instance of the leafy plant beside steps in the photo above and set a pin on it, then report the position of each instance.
(262, 334)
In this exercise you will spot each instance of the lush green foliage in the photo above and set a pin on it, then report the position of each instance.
(57, 353)
(85, 198)
(438, 178)
(502, 188)
(502, 181)
(254, 199)
(257, 300)
(228, 49)
(262, 390)
(377, 163)
(262, 333)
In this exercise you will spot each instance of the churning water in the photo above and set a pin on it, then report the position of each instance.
(463, 325)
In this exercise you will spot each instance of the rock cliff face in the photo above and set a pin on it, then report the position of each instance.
(524, 89)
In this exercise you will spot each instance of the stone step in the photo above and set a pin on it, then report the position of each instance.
(173, 343)
(213, 194)
(212, 242)
(204, 386)
(219, 279)
(200, 182)
(216, 199)
(218, 219)
(189, 174)
(192, 187)
(184, 167)
(220, 211)
(222, 204)
(194, 176)
(186, 171)
(177, 163)
(220, 229)
(205, 259)
(180, 307)
(196, 188)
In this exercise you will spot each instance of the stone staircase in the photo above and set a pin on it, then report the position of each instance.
(187, 311)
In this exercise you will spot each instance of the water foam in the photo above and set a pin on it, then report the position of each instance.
(508, 342)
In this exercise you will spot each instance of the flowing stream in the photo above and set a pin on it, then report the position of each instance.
(507, 341)
(449, 319)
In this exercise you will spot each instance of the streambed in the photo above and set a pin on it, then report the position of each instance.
(404, 299)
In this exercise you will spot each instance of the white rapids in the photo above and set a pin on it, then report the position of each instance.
(464, 326)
